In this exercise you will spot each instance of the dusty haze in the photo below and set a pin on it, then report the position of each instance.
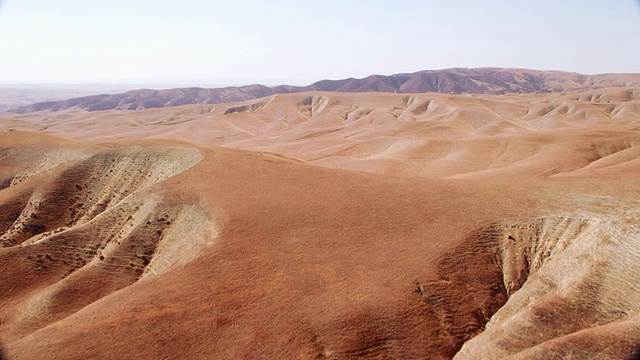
(448, 81)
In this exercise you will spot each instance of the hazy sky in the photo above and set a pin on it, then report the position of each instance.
(298, 42)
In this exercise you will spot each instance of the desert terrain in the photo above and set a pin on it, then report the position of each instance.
(17, 95)
(448, 81)
(325, 224)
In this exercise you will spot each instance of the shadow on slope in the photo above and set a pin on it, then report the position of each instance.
(80, 230)
(564, 286)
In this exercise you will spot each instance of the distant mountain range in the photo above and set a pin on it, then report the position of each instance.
(454, 81)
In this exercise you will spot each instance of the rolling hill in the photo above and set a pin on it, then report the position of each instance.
(449, 81)
(419, 135)
(326, 224)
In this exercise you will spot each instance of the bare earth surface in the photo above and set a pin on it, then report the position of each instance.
(325, 225)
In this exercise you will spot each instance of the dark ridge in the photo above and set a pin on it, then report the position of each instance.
(5, 183)
(450, 81)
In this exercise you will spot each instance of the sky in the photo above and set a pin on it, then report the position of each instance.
(205, 42)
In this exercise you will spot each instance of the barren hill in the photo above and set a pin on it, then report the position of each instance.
(325, 225)
(449, 81)
(157, 249)
(17, 95)
(425, 135)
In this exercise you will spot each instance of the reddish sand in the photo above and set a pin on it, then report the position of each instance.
(478, 227)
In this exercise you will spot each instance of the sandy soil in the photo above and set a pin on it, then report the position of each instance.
(475, 227)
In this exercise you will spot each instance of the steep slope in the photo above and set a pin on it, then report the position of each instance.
(449, 81)
(160, 249)
(555, 269)
(83, 222)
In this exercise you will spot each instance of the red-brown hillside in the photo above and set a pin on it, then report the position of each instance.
(481, 227)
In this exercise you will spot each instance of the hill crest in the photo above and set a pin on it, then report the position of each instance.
(493, 81)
